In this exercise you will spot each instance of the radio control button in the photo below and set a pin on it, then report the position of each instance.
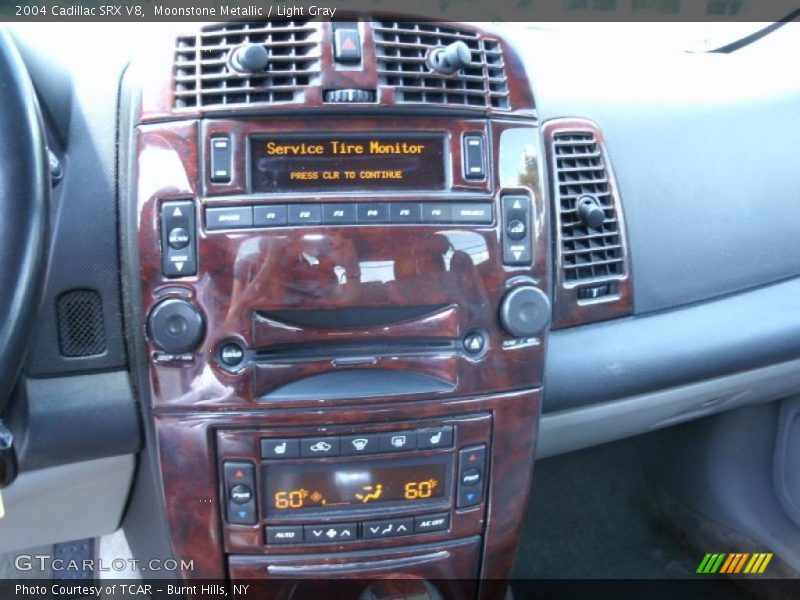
(234, 217)
(405, 212)
(305, 214)
(179, 238)
(474, 212)
(471, 477)
(178, 252)
(473, 157)
(269, 216)
(436, 437)
(338, 214)
(284, 534)
(319, 447)
(399, 441)
(275, 448)
(471, 466)
(372, 212)
(350, 445)
(371, 530)
(220, 159)
(330, 533)
(241, 494)
(431, 523)
(437, 213)
(239, 479)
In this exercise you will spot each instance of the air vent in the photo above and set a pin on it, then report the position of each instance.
(588, 254)
(402, 51)
(203, 76)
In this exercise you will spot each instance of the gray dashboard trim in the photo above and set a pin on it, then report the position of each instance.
(578, 428)
(627, 357)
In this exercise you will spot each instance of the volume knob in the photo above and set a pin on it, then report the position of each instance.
(525, 311)
(175, 326)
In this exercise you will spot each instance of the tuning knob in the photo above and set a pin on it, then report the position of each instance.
(525, 311)
(250, 58)
(175, 326)
(590, 212)
(451, 58)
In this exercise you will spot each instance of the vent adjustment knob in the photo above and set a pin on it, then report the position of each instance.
(250, 58)
(349, 95)
(525, 311)
(175, 326)
(451, 58)
(590, 212)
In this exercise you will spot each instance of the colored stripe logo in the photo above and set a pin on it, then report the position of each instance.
(734, 563)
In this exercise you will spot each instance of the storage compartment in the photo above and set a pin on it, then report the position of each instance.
(449, 569)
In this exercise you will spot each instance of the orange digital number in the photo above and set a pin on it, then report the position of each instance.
(292, 499)
(415, 490)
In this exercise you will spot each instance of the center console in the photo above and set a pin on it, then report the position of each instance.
(343, 264)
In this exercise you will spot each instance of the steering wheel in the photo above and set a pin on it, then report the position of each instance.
(24, 193)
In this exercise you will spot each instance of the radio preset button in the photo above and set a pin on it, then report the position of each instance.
(336, 214)
(284, 534)
(372, 212)
(319, 447)
(398, 441)
(369, 443)
(330, 533)
(479, 213)
(435, 437)
(431, 523)
(387, 528)
(437, 213)
(280, 448)
(235, 217)
(303, 214)
(269, 215)
(405, 212)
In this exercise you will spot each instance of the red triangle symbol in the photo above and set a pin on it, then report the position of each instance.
(239, 473)
(348, 44)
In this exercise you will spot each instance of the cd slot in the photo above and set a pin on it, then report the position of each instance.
(348, 352)
(345, 325)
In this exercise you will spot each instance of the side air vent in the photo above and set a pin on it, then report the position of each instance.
(203, 76)
(592, 261)
(402, 55)
(588, 253)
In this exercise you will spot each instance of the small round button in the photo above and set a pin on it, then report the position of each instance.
(525, 311)
(241, 494)
(471, 477)
(474, 342)
(178, 238)
(231, 354)
(516, 229)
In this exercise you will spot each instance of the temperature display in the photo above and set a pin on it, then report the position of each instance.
(332, 486)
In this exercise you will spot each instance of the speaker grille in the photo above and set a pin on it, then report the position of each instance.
(81, 330)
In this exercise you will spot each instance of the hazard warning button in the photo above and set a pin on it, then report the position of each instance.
(347, 45)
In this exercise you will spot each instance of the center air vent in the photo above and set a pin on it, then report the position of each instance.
(402, 54)
(203, 76)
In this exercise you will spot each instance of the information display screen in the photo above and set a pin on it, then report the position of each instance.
(349, 163)
(290, 488)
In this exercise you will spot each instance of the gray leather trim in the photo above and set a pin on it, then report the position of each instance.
(69, 502)
(627, 357)
(578, 428)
